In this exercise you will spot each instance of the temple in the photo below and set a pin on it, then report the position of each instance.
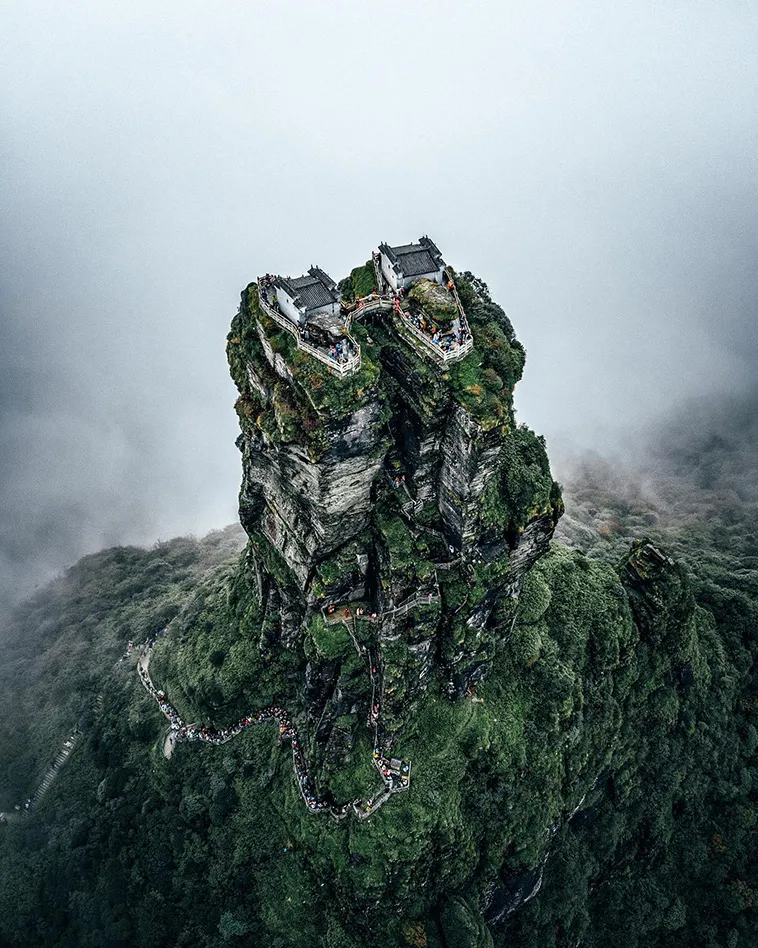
(302, 298)
(401, 266)
(415, 292)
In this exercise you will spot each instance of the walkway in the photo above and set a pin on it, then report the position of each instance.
(64, 752)
(395, 774)
(343, 362)
(354, 610)
(442, 347)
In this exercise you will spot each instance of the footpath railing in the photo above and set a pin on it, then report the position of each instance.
(443, 356)
(372, 304)
(454, 290)
(350, 365)
(60, 759)
(369, 305)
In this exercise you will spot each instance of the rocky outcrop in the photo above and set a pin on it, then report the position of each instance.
(469, 458)
(307, 509)
(408, 491)
(508, 895)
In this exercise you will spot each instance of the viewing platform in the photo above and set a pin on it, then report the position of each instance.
(443, 347)
(327, 340)
(414, 287)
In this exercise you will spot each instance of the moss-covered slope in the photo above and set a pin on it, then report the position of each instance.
(567, 720)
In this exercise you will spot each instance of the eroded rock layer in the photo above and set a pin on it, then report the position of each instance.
(402, 502)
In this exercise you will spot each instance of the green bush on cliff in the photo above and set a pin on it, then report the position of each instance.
(484, 381)
(522, 487)
(336, 571)
(361, 282)
(480, 390)
(399, 541)
(331, 638)
(479, 305)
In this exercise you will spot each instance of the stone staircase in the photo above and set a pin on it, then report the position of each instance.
(52, 772)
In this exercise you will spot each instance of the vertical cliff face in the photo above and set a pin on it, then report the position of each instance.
(395, 512)
(307, 508)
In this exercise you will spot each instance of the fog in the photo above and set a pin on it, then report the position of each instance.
(596, 166)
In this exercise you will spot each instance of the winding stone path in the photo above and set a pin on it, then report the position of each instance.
(395, 774)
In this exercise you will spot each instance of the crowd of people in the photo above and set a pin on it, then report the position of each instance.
(342, 351)
(447, 341)
(346, 613)
(287, 731)
(395, 774)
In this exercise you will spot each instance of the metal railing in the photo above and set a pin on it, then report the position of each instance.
(350, 365)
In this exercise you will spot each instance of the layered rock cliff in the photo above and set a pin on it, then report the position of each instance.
(576, 735)
(406, 491)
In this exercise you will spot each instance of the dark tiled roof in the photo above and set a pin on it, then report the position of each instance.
(414, 259)
(312, 290)
(416, 262)
(403, 249)
(324, 277)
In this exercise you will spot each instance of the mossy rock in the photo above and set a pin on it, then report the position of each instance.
(330, 638)
(436, 301)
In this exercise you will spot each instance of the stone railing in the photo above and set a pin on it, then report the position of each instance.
(350, 365)
(454, 290)
(440, 355)
(376, 259)
(369, 305)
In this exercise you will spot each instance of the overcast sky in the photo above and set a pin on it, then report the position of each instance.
(595, 163)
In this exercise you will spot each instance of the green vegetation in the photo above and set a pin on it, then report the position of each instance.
(483, 382)
(338, 571)
(604, 752)
(77, 627)
(331, 639)
(481, 390)
(361, 282)
(523, 487)
(400, 543)
(639, 708)
(331, 395)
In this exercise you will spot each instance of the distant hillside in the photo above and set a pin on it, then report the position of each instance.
(694, 488)
(56, 647)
